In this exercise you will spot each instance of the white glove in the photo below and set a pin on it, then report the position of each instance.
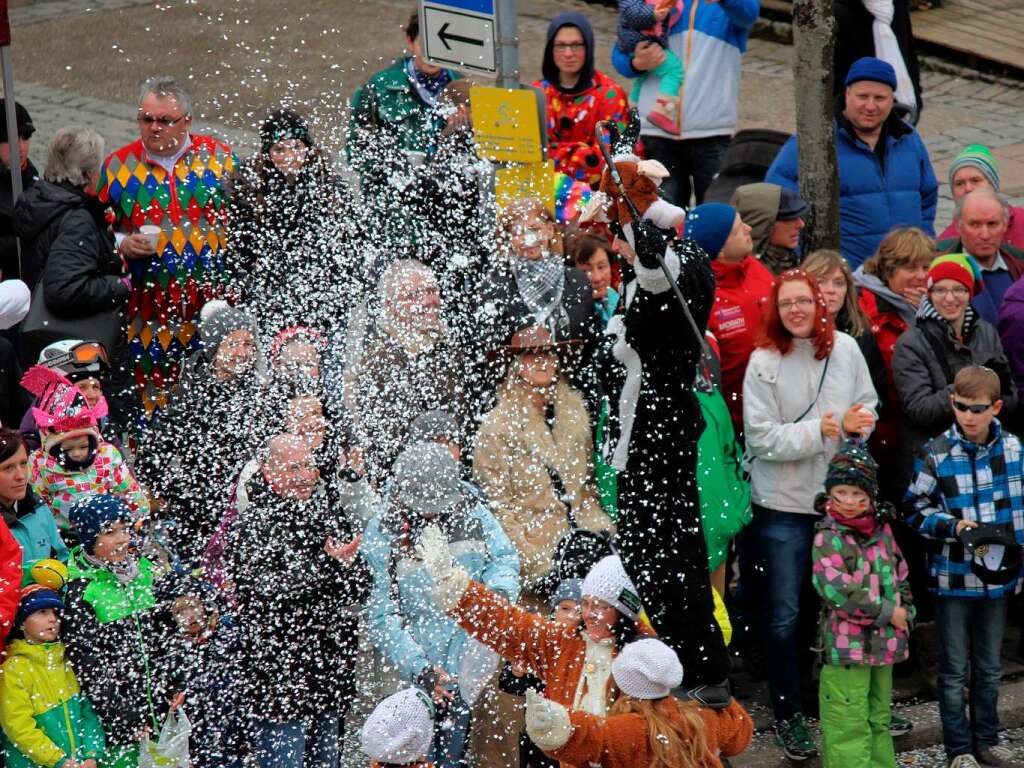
(547, 722)
(450, 580)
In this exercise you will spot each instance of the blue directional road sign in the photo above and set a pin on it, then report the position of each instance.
(459, 34)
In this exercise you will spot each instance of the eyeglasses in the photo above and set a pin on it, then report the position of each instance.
(803, 303)
(959, 291)
(166, 122)
(565, 47)
(975, 408)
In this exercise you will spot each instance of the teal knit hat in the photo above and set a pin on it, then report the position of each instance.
(980, 157)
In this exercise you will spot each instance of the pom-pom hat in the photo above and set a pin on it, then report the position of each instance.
(853, 465)
(93, 515)
(400, 729)
(647, 669)
(956, 266)
(608, 581)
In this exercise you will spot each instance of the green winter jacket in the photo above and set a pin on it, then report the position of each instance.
(390, 102)
(724, 493)
(45, 717)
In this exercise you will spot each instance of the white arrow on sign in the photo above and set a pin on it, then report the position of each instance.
(460, 39)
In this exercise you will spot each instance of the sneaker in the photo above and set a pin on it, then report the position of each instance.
(998, 757)
(665, 114)
(963, 761)
(794, 739)
(899, 726)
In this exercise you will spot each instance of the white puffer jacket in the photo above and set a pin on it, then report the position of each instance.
(790, 457)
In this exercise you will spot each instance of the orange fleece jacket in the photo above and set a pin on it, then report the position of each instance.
(621, 741)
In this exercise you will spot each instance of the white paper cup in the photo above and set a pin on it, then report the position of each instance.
(151, 231)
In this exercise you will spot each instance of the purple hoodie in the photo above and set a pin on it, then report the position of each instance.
(1011, 321)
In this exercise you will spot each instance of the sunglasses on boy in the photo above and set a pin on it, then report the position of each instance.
(975, 408)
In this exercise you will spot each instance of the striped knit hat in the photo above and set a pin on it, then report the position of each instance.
(980, 157)
(853, 465)
(956, 266)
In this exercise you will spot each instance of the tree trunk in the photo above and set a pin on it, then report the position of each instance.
(814, 44)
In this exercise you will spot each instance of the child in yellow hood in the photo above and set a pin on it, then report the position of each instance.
(46, 719)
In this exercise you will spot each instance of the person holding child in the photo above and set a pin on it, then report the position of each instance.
(47, 721)
(643, 21)
(966, 498)
(861, 576)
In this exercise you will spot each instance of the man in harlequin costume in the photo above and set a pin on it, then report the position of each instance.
(172, 179)
(578, 98)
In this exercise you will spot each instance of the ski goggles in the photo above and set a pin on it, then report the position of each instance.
(85, 354)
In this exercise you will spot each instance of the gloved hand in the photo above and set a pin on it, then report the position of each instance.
(649, 243)
(547, 722)
(450, 580)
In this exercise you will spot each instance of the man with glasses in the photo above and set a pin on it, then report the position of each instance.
(578, 98)
(9, 265)
(170, 182)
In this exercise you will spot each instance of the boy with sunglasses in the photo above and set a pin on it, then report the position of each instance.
(971, 477)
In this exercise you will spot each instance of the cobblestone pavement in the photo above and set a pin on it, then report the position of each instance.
(958, 111)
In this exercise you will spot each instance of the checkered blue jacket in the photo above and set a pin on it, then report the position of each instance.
(956, 479)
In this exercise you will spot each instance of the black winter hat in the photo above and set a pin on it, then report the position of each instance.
(995, 553)
(281, 125)
(24, 120)
(853, 465)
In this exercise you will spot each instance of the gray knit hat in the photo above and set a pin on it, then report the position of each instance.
(426, 479)
(647, 669)
(217, 320)
(568, 589)
(430, 425)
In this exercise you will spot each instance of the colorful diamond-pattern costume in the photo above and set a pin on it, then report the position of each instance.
(168, 290)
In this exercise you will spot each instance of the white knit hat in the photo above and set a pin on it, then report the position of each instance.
(647, 669)
(400, 729)
(608, 581)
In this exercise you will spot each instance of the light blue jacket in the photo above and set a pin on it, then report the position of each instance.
(37, 534)
(404, 621)
(710, 39)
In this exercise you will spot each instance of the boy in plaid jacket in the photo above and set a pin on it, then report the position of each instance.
(970, 475)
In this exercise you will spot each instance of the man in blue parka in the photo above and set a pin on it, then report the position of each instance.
(405, 624)
(885, 175)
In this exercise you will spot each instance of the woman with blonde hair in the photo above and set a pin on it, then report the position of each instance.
(646, 727)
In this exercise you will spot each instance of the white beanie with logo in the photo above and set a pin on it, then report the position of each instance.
(400, 729)
(608, 581)
(647, 669)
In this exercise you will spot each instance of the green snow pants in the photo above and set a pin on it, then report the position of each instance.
(856, 707)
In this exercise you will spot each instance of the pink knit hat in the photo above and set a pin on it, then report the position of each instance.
(61, 410)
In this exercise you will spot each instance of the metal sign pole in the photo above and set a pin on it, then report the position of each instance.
(12, 121)
(508, 43)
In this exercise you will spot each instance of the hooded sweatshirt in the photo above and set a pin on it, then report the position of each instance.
(574, 112)
(758, 206)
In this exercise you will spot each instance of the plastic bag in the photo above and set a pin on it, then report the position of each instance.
(171, 749)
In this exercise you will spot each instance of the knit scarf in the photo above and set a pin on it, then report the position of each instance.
(887, 48)
(864, 524)
(540, 283)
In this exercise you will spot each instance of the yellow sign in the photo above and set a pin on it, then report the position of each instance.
(531, 181)
(506, 124)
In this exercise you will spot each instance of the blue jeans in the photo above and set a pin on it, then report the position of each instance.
(451, 735)
(785, 542)
(298, 743)
(969, 628)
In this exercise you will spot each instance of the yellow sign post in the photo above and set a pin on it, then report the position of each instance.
(506, 124)
(530, 181)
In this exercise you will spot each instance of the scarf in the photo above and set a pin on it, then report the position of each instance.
(887, 48)
(864, 524)
(427, 86)
(540, 283)
(124, 572)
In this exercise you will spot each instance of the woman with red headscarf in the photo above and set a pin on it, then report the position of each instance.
(806, 390)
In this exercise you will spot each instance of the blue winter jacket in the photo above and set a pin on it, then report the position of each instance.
(33, 526)
(405, 623)
(710, 39)
(873, 201)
